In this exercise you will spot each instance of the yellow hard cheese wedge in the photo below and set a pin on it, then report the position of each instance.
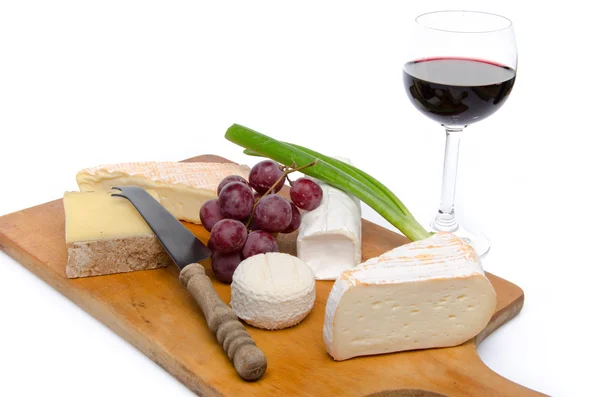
(430, 293)
(107, 235)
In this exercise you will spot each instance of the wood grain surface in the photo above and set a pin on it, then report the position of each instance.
(154, 312)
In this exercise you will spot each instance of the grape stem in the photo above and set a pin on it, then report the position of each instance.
(289, 180)
(286, 171)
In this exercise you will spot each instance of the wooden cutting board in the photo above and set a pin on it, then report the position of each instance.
(152, 311)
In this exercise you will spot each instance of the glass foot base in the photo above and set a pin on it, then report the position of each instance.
(478, 241)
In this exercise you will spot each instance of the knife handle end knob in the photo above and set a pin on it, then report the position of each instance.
(250, 362)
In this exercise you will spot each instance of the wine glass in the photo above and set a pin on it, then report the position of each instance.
(460, 69)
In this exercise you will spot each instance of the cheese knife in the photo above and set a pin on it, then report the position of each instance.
(187, 251)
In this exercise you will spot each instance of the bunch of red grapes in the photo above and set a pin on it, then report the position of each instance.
(245, 218)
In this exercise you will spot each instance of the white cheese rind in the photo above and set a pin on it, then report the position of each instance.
(273, 290)
(182, 187)
(329, 237)
(431, 293)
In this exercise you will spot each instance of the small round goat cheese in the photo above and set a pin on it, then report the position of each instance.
(273, 290)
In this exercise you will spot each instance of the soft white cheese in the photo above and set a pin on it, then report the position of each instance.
(430, 293)
(273, 290)
(329, 237)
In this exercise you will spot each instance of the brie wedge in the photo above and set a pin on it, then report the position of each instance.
(182, 187)
(426, 294)
(106, 235)
(273, 290)
(329, 237)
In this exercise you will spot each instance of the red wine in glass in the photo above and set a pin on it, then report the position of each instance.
(457, 91)
(459, 68)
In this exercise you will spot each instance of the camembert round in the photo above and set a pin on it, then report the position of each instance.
(273, 290)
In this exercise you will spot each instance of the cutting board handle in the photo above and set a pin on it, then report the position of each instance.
(249, 361)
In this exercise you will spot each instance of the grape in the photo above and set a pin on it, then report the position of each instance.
(230, 178)
(264, 175)
(228, 235)
(296, 218)
(259, 242)
(224, 265)
(306, 194)
(236, 200)
(210, 213)
(257, 196)
(273, 213)
(253, 225)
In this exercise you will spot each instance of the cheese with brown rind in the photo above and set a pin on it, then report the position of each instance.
(115, 255)
(106, 235)
(182, 187)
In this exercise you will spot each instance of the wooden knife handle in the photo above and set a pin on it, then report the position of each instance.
(249, 361)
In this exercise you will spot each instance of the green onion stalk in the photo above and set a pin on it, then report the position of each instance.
(333, 172)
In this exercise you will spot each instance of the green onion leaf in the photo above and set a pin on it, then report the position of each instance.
(333, 172)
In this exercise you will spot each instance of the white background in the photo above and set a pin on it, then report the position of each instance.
(84, 83)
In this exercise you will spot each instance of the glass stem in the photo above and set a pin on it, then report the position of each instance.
(445, 220)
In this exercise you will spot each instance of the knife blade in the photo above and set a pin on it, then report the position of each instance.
(186, 251)
(181, 244)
